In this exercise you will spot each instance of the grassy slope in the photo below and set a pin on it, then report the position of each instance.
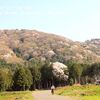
(89, 92)
(26, 95)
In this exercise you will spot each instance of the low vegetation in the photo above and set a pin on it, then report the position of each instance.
(86, 92)
(26, 95)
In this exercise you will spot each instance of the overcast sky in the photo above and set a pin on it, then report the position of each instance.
(75, 19)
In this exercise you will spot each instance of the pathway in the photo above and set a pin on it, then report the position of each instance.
(46, 95)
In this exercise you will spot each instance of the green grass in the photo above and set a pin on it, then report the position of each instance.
(26, 95)
(91, 98)
(87, 92)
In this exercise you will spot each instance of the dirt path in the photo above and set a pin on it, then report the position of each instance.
(46, 95)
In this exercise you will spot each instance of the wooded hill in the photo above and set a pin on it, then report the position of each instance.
(30, 59)
(22, 45)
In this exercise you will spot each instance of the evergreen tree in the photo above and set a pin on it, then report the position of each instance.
(36, 76)
(77, 72)
(29, 78)
(5, 79)
(47, 75)
(2, 81)
(21, 79)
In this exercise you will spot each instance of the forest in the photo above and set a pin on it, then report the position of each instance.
(35, 74)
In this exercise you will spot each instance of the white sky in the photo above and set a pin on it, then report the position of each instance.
(75, 19)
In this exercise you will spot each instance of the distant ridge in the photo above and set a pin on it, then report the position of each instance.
(21, 45)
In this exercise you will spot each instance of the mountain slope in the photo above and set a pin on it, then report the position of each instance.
(21, 45)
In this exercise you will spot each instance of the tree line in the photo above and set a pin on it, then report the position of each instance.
(35, 74)
(83, 73)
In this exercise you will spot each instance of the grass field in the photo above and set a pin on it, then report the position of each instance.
(87, 92)
(26, 95)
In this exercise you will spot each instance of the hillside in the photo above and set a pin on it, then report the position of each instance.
(21, 45)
